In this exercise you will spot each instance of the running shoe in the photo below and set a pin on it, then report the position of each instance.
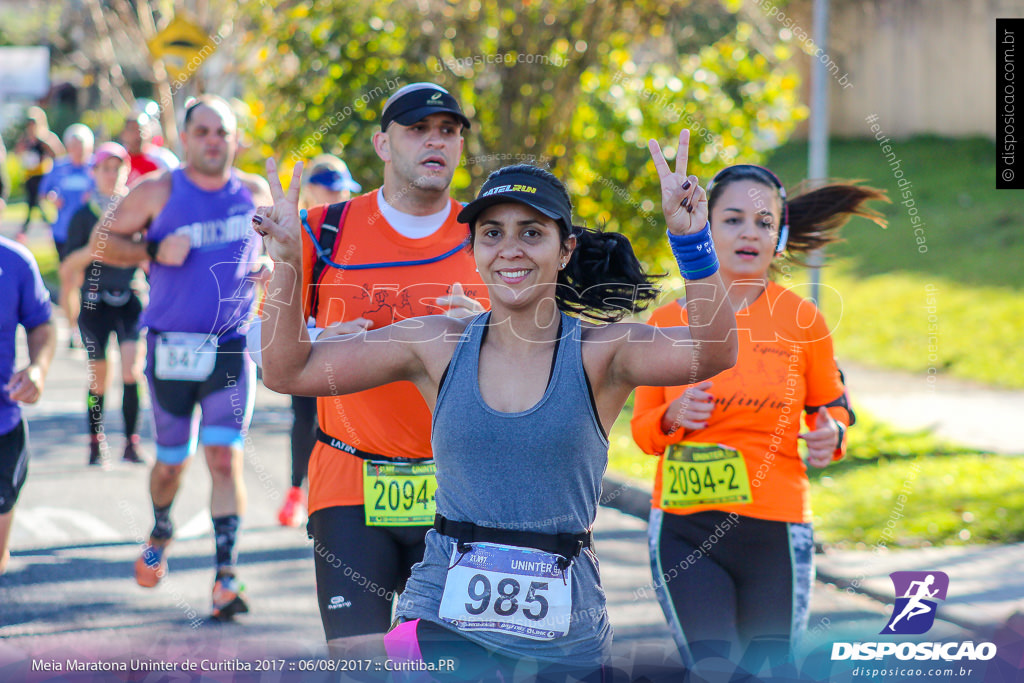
(151, 566)
(227, 597)
(131, 453)
(98, 454)
(293, 512)
(75, 339)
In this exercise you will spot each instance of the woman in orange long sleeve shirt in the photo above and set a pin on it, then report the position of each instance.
(730, 534)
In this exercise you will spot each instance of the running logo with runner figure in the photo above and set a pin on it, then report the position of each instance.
(917, 594)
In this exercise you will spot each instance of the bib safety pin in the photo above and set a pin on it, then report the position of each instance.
(464, 549)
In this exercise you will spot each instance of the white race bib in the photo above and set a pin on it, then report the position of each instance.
(184, 356)
(507, 589)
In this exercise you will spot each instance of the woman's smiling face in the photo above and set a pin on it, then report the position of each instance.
(518, 252)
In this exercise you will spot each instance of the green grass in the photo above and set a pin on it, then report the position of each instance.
(954, 495)
(972, 231)
(948, 500)
(936, 326)
(971, 268)
(871, 440)
(46, 257)
(15, 213)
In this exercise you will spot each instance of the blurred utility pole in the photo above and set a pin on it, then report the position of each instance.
(817, 148)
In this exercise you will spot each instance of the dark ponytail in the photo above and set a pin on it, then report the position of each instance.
(815, 216)
(603, 279)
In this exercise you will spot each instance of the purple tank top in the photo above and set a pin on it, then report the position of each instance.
(210, 293)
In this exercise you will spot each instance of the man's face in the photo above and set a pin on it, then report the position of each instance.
(78, 151)
(425, 154)
(210, 140)
(132, 137)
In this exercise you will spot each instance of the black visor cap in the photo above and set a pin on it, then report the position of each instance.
(418, 104)
(523, 188)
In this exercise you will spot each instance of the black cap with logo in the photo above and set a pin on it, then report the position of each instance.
(416, 101)
(524, 188)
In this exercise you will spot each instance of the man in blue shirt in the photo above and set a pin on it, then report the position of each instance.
(69, 182)
(68, 187)
(27, 303)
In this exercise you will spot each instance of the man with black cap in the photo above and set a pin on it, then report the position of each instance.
(399, 252)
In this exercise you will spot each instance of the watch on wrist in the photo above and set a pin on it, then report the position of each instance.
(152, 248)
(842, 434)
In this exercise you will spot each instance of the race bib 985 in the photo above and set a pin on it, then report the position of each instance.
(507, 589)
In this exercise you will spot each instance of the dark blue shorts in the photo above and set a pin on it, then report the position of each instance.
(13, 465)
(99, 318)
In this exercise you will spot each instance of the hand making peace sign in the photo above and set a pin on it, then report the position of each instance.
(279, 224)
(683, 200)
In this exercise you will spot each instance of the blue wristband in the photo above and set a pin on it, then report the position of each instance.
(695, 253)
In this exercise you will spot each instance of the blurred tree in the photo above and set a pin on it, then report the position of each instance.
(108, 42)
(577, 85)
(28, 23)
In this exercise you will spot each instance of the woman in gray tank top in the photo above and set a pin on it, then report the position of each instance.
(522, 398)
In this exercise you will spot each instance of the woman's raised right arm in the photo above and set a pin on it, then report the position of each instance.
(292, 364)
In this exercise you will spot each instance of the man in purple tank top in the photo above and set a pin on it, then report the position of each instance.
(193, 225)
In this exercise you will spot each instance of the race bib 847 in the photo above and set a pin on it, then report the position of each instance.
(184, 356)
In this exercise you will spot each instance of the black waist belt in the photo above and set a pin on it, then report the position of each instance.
(334, 442)
(568, 546)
